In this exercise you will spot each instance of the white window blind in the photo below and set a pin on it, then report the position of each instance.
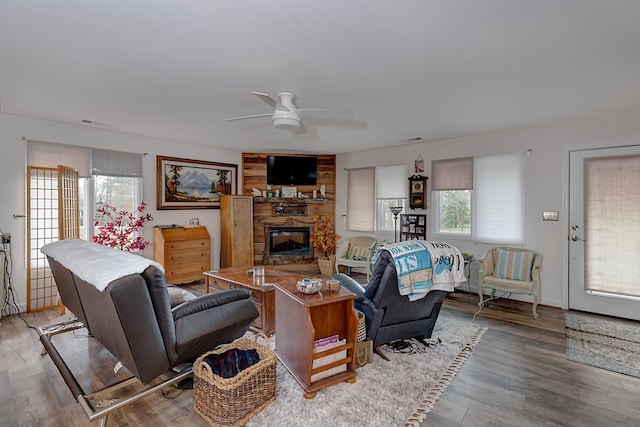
(361, 200)
(452, 174)
(391, 181)
(116, 163)
(611, 204)
(50, 155)
(498, 210)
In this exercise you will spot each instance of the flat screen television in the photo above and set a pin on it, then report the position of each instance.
(292, 170)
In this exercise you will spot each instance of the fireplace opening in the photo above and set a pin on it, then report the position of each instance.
(289, 241)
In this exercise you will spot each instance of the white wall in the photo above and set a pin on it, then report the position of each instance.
(546, 176)
(546, 181)
(13, 170)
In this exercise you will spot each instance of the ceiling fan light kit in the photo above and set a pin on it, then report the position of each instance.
(286, 123)
(286, 115)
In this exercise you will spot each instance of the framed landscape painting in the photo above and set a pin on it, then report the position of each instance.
(193, 184)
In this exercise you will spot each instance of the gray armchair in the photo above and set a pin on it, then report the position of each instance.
(131, 316)
(390, 316)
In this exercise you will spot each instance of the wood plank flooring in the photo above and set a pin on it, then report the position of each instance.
(517, 376)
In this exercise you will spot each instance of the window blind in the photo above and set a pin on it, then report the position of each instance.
(611, 202)
(498, 211)
(391, 181)
(452, 174)
(116, 163)
(51, 154)
(361, 200)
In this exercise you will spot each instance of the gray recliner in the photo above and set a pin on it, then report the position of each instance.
(390, 316)
(133, 318)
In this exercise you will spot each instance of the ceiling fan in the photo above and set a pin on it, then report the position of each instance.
(286, 114)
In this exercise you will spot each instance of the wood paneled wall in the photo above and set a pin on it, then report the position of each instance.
(254, 175)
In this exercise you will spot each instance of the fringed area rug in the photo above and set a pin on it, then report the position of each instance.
(395, 393)
(604, 342)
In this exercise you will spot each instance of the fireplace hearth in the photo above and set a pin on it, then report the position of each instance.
(287, 245)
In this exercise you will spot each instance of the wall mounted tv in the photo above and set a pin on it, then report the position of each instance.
(292, 170)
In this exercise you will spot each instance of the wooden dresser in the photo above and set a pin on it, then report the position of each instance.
(184, 252)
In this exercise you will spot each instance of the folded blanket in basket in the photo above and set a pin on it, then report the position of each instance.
(231, 362)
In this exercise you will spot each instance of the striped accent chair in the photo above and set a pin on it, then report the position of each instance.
(511, 270)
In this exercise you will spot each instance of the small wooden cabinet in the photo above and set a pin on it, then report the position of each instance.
(303, 319)
(184, 252)
(236, 231)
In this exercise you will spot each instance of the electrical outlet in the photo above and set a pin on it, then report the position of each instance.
(6, 238)
(550, 215)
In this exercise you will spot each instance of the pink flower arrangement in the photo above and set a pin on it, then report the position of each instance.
(119, 230)
(323, 236)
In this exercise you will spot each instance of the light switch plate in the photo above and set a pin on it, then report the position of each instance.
(550, 215)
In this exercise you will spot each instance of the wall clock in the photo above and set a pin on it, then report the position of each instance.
(418, 192)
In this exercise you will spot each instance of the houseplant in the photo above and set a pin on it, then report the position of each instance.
(323, 238)
(118, 228)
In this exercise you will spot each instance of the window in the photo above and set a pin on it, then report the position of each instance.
(480, 198)
(122, 192)
(452, 185)
(360, 200)
(116, 180)
(499, 199)
(391, 190)
(106, 176)
(370, 193)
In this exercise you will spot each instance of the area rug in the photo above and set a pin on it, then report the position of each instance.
(399, 392)
(604, 342)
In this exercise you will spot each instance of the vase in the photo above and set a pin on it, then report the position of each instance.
(327, 265)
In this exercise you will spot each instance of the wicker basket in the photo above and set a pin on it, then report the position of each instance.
(327, 265)
(234, 401)
(362, 326)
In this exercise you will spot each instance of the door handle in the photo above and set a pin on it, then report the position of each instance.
(576, 238)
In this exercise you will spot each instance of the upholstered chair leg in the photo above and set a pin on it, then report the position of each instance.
(481, 295)
(535, 306)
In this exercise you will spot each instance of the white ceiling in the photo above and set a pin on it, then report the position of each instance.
(408, 68)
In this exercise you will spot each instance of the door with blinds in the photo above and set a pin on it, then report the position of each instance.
(604, 231)
(53, 214)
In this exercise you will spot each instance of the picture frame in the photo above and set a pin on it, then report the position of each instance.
(289, 192)
(202, 184)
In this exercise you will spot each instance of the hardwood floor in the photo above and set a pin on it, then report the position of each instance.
(518, 375)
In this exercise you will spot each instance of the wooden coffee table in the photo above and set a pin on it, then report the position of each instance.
(262, 296)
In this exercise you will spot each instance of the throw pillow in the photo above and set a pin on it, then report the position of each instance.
(177, 295)
(513, 265)
(359, 253)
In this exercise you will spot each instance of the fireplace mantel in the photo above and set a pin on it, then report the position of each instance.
(299, 200)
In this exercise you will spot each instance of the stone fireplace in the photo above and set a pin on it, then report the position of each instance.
(286, 244)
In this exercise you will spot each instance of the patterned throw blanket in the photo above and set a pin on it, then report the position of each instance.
(423, 266)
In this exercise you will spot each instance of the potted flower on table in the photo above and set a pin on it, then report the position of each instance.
(323, 238)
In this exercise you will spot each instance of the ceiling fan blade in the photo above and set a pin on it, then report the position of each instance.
(302, 129)
(266, 98)
(247, 117)
(343, 113)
